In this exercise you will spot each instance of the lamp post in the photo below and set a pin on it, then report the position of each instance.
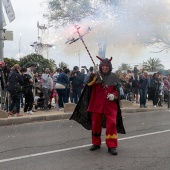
(20, 45)
(1, 31)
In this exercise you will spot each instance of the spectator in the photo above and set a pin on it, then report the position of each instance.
(56, 74)
(62, 93)
(143, 88)
(160, 93)
(77, 83)
(29, 98)
(46, 87)
(15, 82)
(30, 71)
(87, 75)
(135, 87)
(155, 89)
(53, 93)
(83, 73)
(4, 72)
(166, 83)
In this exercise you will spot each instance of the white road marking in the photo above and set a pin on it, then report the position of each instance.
(77, 147)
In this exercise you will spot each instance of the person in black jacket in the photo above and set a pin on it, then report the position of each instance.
(14, 84)
(27, 86)
(77, 83)
(4, 71)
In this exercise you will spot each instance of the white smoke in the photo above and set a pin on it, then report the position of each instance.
(126, 28)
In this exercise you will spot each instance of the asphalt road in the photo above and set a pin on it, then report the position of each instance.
(64, 145)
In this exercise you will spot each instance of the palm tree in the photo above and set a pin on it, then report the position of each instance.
(153, 64)
(124, 67)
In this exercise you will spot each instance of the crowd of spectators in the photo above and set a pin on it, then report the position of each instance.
(22, 87)
(140, 86)
(63, 86)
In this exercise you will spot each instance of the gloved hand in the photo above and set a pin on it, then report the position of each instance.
(95, 69)
(110, 97)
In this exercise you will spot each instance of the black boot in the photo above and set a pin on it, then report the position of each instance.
(94, 147)
(112, 151)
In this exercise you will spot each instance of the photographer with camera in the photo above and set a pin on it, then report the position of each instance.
(76, 82)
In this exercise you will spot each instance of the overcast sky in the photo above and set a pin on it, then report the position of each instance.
(24, 28)
(27, 13)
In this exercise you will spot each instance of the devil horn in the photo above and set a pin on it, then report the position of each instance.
(110, 59)
(101, 59)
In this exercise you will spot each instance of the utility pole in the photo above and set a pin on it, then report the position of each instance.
(1, 32)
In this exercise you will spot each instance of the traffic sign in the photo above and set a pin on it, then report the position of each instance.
(9, 10)
(8, 35)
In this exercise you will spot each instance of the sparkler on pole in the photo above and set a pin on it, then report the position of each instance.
(70, 41)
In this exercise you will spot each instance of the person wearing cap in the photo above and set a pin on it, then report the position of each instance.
(15, 81)
(100, 97)
(76, 83)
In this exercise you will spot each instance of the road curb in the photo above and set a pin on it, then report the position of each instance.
(129, 110)
(22, 120)
(40, 118)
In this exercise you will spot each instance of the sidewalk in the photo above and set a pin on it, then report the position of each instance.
(54, 114)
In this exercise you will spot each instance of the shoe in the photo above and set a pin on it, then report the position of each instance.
(18, 114)
(112, 151)
(94, 147)
(154, 106)
(141, 106)
(61, 109)
(30, 112)
(46, 110)
(10, 114)
(145, 106)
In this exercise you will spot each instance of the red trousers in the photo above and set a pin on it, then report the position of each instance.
(111, 131)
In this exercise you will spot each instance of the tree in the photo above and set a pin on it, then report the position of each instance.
(68, 11)
(62, 65)
(153, 64)
(124, 67)
(10, 62)
(41, 62)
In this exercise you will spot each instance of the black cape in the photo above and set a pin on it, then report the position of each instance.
(82, 116)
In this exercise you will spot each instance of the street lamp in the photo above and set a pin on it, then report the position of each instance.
(20, 45)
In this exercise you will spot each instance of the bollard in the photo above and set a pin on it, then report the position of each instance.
(169, 98)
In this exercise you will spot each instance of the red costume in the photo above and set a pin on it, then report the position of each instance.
(100, 104)
(101, 97)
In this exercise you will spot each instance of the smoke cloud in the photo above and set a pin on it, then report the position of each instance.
(126, 28)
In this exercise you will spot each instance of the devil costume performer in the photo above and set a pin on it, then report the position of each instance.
(99, 106)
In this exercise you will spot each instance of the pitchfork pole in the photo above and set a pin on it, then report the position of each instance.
(84, 43)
